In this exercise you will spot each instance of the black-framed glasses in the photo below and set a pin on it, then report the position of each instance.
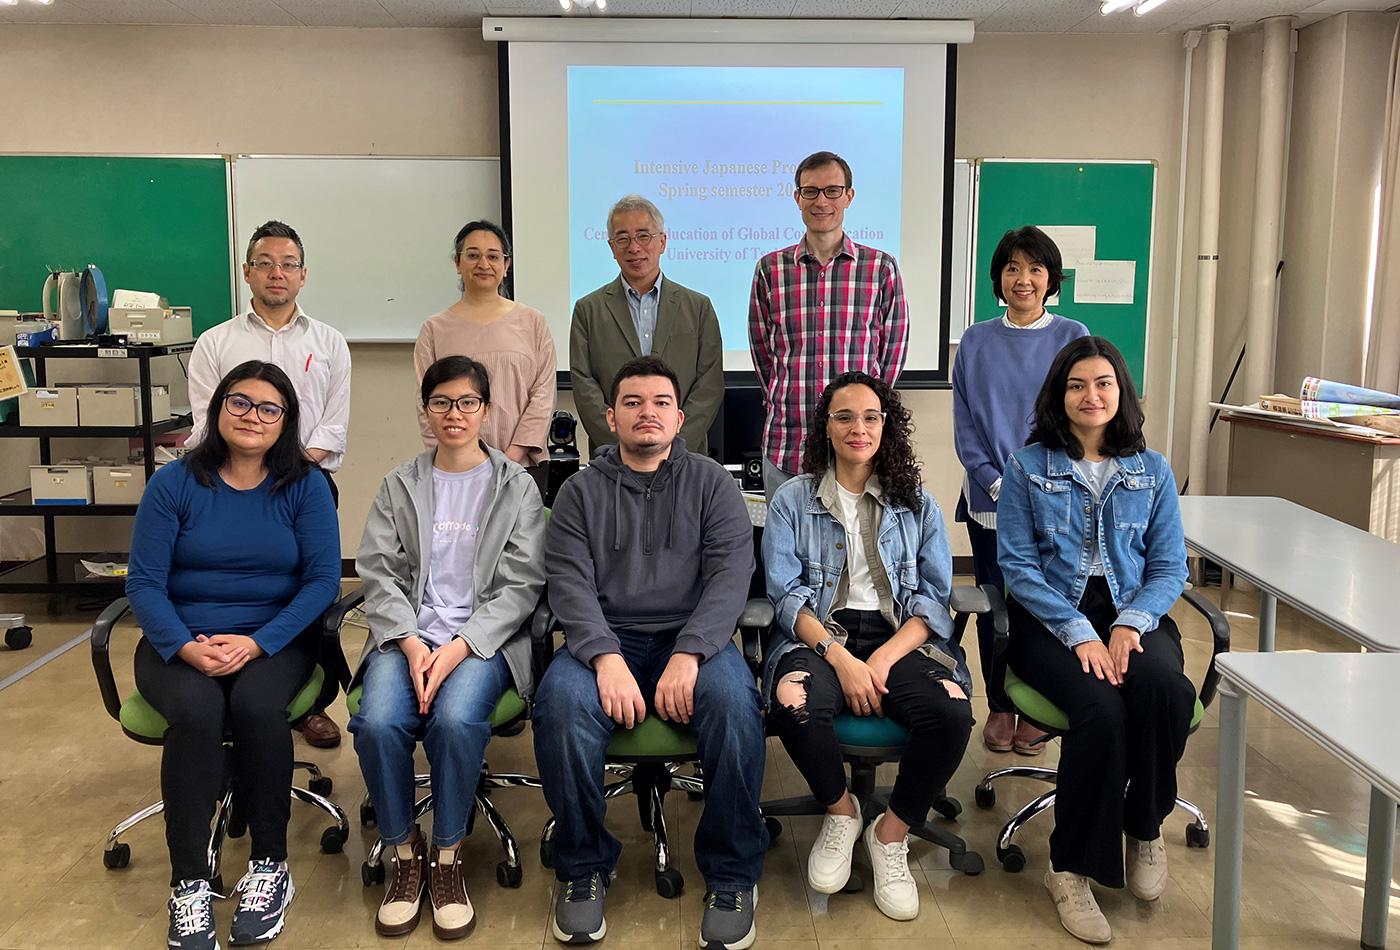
(623, 241)
(810, 192)
(441, 405)
(845, 418)
(240, 405)
(267, 267)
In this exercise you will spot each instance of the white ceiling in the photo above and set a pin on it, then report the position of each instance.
(1035, 16)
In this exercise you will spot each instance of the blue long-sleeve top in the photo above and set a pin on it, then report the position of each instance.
(217, 560)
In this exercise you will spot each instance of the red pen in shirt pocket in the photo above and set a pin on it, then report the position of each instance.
(307, 368)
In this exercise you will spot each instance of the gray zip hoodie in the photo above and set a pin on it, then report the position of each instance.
(396, 550)
(672, 559)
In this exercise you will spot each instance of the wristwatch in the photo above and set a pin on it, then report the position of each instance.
(823, 646)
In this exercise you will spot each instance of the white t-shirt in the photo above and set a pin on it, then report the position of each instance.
(449, 593)
(1097, 474)
(860, 585)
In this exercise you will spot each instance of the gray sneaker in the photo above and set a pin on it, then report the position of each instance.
(578, 909)
(728, 922)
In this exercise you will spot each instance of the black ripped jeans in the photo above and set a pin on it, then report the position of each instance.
(938, 725)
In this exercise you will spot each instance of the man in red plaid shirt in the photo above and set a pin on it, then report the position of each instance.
(823, 307)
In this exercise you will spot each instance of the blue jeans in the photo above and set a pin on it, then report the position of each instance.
(454, 733)
(571, 739)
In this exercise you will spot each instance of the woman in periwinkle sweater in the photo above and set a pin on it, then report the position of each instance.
(998, 372)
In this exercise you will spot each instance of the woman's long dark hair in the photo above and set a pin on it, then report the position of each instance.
(895, 462)
(285, 460)
(1050, 427)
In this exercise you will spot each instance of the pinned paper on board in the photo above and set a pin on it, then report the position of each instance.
(1104, 281)
(11, 378)
(1077, 242)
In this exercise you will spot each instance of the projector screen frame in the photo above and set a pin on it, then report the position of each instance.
(937, 378)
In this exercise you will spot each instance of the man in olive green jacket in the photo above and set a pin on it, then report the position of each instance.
(642, 314)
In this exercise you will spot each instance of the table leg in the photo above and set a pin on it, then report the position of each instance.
(1227, 581)
(1229, 821)
(1268, 616)
(1380, 852)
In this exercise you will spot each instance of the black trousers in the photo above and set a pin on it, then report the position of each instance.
(938, 725)
(1128, 736)
(987, 571)
(250, 705)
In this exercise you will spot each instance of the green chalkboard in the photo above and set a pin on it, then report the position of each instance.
(155, 224)
(1115, 198)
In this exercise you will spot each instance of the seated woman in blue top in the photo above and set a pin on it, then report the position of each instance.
(859, 572)
(452, 562)
(235, 555)
(1090, 543)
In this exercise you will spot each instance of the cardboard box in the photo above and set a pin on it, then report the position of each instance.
(49, 406)
(118, 484)
(152, 325)
(119, 405)
(60, 484)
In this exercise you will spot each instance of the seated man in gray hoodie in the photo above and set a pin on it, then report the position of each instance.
(649, 554)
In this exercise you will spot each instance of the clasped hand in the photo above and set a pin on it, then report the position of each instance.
(1109, 662)
(220, 655)
(428, 668)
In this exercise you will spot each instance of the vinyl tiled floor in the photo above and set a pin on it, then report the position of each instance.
(67, 774)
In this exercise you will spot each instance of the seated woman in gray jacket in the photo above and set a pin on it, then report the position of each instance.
(452, 563)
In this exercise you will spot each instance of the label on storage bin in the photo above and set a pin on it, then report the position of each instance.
(118, 352)
(148, 335)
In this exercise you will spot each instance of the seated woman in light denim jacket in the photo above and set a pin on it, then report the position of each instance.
(1090, 543)
(859, 571)
(452, 563)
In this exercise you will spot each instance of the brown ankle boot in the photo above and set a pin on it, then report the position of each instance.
(403, 891)
(453, 916)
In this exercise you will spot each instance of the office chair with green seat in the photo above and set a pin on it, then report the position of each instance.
(140, 720)
(1045, 715)
(647, 760)
(868, 742)
(507, 719)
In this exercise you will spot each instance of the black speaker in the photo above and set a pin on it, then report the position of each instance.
(753, 471)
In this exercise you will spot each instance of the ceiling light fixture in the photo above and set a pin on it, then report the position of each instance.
(583, 4)
(1147, 6)
(1114, 6)
(8, 3)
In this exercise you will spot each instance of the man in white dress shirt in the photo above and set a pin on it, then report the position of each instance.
(314, 354)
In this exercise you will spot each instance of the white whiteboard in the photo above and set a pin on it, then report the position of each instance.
(961, 278)
(378, 232)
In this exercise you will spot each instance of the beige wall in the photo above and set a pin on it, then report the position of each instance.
(433, 92)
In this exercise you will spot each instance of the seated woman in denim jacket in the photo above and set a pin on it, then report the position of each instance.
(1090, 543)
(452, 562)
(859, 571)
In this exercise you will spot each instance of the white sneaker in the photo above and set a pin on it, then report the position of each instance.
(896, 894)
(1079, 912)
(1147, 867)
(829, 864)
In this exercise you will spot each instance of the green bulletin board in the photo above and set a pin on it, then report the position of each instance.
(1115, 199)
(155, 224)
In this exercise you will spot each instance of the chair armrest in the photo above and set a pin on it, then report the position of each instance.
(1001, 624)
(334, 617)
(101, 640)
(966, 599)
(1220, 636)
(542, 626)
(754, 622)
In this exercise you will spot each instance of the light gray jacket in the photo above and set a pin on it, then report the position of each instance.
(397, 548)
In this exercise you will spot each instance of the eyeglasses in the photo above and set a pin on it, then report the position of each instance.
(810, 192)
(623, 241)
(845, 419)
(476, 257)
(239, 405)
(443, 405)
(267, 267)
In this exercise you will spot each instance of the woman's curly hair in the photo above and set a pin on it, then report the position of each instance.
(895, 462)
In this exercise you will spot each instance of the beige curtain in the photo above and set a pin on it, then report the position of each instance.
(1383, 348)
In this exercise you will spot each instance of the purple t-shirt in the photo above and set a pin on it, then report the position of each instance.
(449, 593)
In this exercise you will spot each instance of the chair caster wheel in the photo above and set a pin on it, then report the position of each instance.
(968, 862)
(949, 808)
(368, 818)
(547, 854)
(508, 876)
(118, 857)
(216, 884)
(372, 874)
(775, 830)
(669, 883)
(854, 884)
(321, 786)
(18, 638)
(985, 796)
(1197, 837)
(333, 840)
(1012, 859)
